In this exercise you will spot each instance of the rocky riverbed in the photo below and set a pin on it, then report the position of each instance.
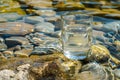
(30, 46)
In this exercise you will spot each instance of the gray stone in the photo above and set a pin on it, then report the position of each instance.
(33, 19)
(42, 51)
(15, 28)
(10, 16)
(13, 41)
(44, 27)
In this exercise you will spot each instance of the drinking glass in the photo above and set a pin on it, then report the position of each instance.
(76, 36)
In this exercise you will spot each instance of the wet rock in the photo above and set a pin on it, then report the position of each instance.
(42, 51)
(10, 16)
(108, 7)
(33, 19)
(45, 12)
(93, 4)
(15, 28)
(52, 19)
(2, 57)
(117, 73)
(16, 41)
(23, 53)
(113, 15)
(3, 46)
(101, 54)
(89, 74)
(8, 54)
(44, 27)
(117, 44)
(68, 5)
(96, 72)
(38, 4)
(2, 20)
(6, 74)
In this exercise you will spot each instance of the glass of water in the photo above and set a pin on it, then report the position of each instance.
(76, 36)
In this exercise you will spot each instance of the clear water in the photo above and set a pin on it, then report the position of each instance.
(76, 42)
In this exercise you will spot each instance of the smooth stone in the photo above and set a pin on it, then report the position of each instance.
(8, 54)
(117, 73)
(15, 48)
(33, 19)
(44, 27)
(36, 41)
(2, 20)
(68, 5)
(10, 16)
(42, 51)
(96, 72)
(1, 40)
(113, 15)
(109, 7)
(3, 46)
(38, 4)
(112, 27)
(23, 53)
(52, 19)
(29, 46)
(45, 12)
(15, 28)
(2, 57)
(13, 41)
(93, 4)
(117, 44)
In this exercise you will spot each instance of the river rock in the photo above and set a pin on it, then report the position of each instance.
(8, 54)
(45, 12)
(16, 41)
(113, 15)
(117, 44)
(33, 19)
(2, 20)
(7, 74)
(3, 46)
(10, 16)
(15, 28)
(96, 72)
(93, 4)
(117, 73)
(23, 53)
(42, 51)
(44, 27)
(38, 4)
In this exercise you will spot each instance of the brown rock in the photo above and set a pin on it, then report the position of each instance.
(23, 53)
(15, 28)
